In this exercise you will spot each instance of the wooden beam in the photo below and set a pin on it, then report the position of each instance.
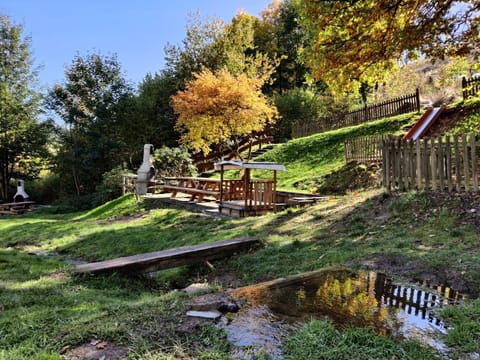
(159, 260)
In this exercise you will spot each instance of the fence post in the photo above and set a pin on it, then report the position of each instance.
(464, 88)
(417, 99)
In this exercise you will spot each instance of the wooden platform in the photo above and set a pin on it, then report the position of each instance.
(154, 261)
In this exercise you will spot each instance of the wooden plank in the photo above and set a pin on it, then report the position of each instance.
(458, 180)
(433, 160)
(419, 164)
(441, 173)
(465, 162)
(474, 162)
(448, 170)
(159, 260)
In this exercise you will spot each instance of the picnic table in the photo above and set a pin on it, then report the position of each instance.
(15, 208)
(196, 187)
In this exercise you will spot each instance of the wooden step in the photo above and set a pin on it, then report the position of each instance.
(159, 260)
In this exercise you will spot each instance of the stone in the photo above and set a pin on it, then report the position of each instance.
(212, 314)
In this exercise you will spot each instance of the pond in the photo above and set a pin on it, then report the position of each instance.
(361, 299)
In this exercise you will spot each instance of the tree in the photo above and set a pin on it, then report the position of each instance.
(22, 137)
(92, 103)
(218, 108)
(360, 40)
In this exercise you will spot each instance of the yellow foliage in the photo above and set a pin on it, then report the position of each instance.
(217, 107)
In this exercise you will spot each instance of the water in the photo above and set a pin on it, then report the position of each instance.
(361, 299)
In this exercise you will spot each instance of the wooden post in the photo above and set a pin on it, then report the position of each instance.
(457, 164)
(246, 187)
(464, 88)
(417, 99)
(425, 164)
(221, 185)
(465, 162)
(419, 164)
(448, 170)
(474, 162)
(440, 163)
(433, 162)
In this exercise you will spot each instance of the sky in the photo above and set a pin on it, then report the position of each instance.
(136, 31)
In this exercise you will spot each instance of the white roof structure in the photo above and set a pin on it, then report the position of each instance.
(235, 165)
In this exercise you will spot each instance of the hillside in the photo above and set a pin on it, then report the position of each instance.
(46, 312)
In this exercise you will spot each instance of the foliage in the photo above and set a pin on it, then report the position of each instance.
(320, 340)
(217, 107)
(173, 162)
(298, 105)
(350, 46)
(22, 138)
(110, 187)
(465, 323)
(154, 117)
(470, 124)
(279, 35)
(90, 102)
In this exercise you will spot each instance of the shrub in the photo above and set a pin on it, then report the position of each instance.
(172, 162)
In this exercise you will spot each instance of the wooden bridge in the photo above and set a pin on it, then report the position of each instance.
(159, 260)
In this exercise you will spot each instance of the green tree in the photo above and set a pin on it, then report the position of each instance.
(22, 136)
(359, 41)
(91, 102)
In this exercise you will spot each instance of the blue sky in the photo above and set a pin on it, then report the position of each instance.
(136, 31)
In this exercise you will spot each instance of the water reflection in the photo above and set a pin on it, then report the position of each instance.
(364, 299)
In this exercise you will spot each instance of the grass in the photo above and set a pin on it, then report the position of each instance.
(44, 308)
(320, 340)
(318, 155)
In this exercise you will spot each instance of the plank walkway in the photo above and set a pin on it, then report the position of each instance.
(154, 261)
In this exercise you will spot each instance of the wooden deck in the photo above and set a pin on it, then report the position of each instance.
(154, 261)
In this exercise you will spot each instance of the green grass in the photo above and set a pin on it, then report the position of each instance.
(43, 307)
(317, 155)
(320, 340)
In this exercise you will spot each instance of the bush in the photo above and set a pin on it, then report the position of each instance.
(111, 185)
(297, 105)
(173, 162)
(45, 190)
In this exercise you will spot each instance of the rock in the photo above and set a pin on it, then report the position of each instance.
(230, 307)
(212, 314)
(196, 288)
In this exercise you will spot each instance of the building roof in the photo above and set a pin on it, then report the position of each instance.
(234, 165)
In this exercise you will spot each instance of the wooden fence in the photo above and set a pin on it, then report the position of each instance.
(470, 87)
(443, 164)
(396, 106)
(367, 149)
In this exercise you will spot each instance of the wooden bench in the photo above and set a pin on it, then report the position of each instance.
(16, 208)
(197, 188)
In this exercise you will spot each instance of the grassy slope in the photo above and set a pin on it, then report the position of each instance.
(43, 308)
(317, 155)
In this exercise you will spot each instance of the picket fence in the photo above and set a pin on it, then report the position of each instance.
(367, 149)
(396, 106)
(443, 164)
(470, 87)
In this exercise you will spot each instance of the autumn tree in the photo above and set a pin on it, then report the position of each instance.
(359, 41)
(22, 137)
(219, 108)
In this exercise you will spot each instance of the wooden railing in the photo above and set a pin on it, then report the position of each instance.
(367, 149)
(261, 194)
(396, 106)
(233, 190)
(470, 87)
(204, 163)
(439, 164)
